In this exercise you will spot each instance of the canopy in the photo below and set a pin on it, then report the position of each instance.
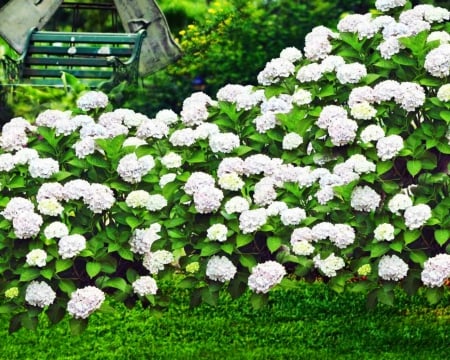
(159, 49)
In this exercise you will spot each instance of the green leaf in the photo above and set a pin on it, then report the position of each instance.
(386, 296)
(228, 248)
(62, 175)
(6, 309)
(258, 301)
(411, 236)
(29, 274)
(133, 222)
(418, 256)
(126, 254)
(433, 295)
(187, 283)
(62, 264)
(117, 283)
(273, 243)
(47, 273)
(197, 157)
(396, 246)
(378, 249)
(384, 166)
(173, 223)
(209, 249)
(77, 326)
(243, 239)
(441, 236)
(68, 286)
(16, 182)
(93, 268)
(414, 167)
(247, 260)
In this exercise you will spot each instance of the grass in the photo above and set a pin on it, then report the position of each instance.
(306, 323)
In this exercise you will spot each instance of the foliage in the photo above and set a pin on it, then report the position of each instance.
(310, 322)
(265, 186)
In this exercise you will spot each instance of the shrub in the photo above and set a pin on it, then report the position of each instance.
(334, 167)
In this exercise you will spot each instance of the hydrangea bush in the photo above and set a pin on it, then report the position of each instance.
(335, 167)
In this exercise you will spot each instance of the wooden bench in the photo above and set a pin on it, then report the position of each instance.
(97, 59)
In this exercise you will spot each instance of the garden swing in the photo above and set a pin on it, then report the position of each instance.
(96, 58)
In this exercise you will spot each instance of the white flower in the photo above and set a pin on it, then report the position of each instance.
(350, 73)
(50, 190)
(392, 268)
(145, 285)
(372, 133)
(436, 270)
(291, 54)
(291, 141)
(198, 180)
(330, 265)
(442, 36)
(265, 122)
(83, 302)
(142, 239)
(76, 189)
(50, 207)
(386, 5)
(231, 181)
(343, 131)
(343, 235)
(231, 165)
(70, 246)
(363, 111)
(275, 208)
(330, 114)
(251, 220)
(39, 294)
(217, 232)
(92, 100)
(152, 128)
(156, 202)
(16, 206)
(205, 130)
(437, 61)
(302, 234)
(27, 225)
(256, 164)
(275, 70)
(99, 198)
(133, 141)
(383, 232)
(137, 198)
(309, 73)
(416, 216)
(56, 229)
(131, 168)
(220, 268)
(6, 162)
(167, 178)
(171, 160)
(167, 116)
(301, 97)
(265, 276)
(236, 204)
(207, 200)
(399, 202)
(155, 261)
(331, 63)
(37, 257)
(443, 93)
(302, 248)
(292, 216)
(183, 137)
(410, 96)
(436, 14)
(43, 168)
(364, 198)
(25, 155)
(49, 118)
(320, 231)
(389, 146)
(223, 142)
(84, 147)
(264, 192)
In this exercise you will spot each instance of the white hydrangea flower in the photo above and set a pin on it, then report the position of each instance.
(361, 94)
(436, 270)
(291, 141)
(252, 220)
(265, 122)
(275, 208)
(436, 14)
(416, 216)
(167, 178)
(205, 130)
(171, 160)
(386, 5)
(350, 22)
(302, 234)
(134, 142)
(302, 248)
(156, 202)
(442, 36)
(256, 164)
(13, 140)
(167, 116)
(83, 302)
(351, 73)
(372, 133)
(389, 146)
(16, 206)
(410, 96)
(43, 167)
(331, 63)
(264, 191)
(343, 235)
(37, 257)
(384, 232)
(231, 181)
(131, 168)
(145, 285)
(50, 207)
(386, 90)
(137, 199)
(217, 232)
(56, 229)
(301, 97)
(154, 261)
(92, 100)
(223, 142)
(142, 239)
(70, 246)
(99, 197)
(309, 73)
(7, 162)
(265, 276)
(207, 200)
(360, 164)
(322, 231)
(364, 198)
(76, 189)
(437, 61)
(363, 111)
(291, 54)
(198, 180)
(25, 155)
(50, 190)
(330, 114)
(27, 225)
(330, 265)
(391, 267)
(443, 93)
(152, 128)
(275, 70)
(236, 204)
(194, 114)
(40, 294)
(317, 46)
(342, 132)
(293, 216)
(220, 268)
(48, 118)
(399, 202)
(183, 137)
(84, 147)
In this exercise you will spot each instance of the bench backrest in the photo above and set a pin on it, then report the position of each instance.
(88, 56)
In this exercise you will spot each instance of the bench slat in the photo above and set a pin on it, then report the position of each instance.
(64, 50)
(78, 37)
(59, 61)
(90, 74)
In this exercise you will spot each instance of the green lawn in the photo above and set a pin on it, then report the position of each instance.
(307, 323)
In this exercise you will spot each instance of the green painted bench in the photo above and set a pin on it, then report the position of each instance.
(97, 59)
